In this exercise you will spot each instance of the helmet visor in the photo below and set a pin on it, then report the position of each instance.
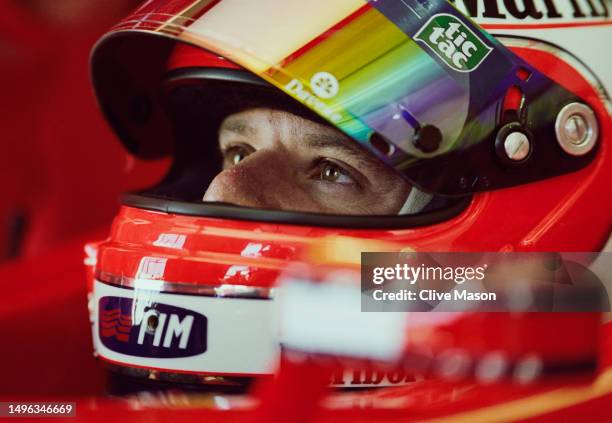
(415, 83)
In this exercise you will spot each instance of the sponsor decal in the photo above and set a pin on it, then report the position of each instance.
(152, 267)
(324, 85)
(453, 42)
(155, 330)
(533, 9)
(146, 327)
(174, 241)
(368, 377)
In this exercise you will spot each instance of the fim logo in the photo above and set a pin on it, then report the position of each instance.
(159, 331)
(453, 42)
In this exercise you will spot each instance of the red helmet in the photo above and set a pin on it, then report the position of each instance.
(503, 142)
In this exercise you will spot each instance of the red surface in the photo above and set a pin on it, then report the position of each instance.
(186, 56)
(46, 340)
(61, 167)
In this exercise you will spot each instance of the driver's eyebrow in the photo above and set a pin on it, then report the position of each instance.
(239, 126)
(341, 145)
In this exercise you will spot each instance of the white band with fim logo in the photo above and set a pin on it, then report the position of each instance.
(238, 334)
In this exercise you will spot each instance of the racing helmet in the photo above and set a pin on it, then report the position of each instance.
(502, 139)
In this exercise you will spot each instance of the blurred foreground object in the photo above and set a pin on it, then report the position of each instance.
(323, 329)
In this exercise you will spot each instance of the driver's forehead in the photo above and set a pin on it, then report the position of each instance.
(269, 125)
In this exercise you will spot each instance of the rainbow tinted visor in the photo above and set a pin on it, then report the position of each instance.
(414, 82)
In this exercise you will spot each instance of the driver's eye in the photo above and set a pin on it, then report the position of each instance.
(331, 172)
(235, 154)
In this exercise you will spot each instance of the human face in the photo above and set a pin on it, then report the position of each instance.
(277, 160)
